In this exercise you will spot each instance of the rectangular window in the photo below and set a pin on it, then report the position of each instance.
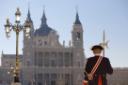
(39, 83)
(67, 59)
(53, 76)
(46, 61)
(60, 59)
(46, 76)
(53, 82)
(53, 63)
(40, 76)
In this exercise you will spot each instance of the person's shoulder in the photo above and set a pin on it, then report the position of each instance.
(90, 58)
(105, 58)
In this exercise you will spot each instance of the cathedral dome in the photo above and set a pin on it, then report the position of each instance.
(44, 29)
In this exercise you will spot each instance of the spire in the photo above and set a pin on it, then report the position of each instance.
(44, 29)
(44, 19)
(29, 20)
(29, 16)
(77, 21)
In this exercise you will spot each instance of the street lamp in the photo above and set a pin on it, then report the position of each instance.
(18, 14)
(17, 28)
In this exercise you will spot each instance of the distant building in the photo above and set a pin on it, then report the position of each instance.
(45, 61)
(119, 77)
(8, 61)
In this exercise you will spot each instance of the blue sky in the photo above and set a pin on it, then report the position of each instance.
(95, 15)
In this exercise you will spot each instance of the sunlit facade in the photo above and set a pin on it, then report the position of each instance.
(45, 61)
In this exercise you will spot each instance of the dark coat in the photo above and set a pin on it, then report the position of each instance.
(103, 69)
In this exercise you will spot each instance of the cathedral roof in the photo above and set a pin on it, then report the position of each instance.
(77, 21)
(29, 16)
(11, 56)
(44, 29)
(28, 19)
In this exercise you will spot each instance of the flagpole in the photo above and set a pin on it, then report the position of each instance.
(104, 43)
(104, 40)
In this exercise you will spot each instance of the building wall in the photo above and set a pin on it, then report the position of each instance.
(119, 77)
(54, 65)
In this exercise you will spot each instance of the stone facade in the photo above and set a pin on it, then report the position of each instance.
(7, 62)
(119, 77)
(45, 61)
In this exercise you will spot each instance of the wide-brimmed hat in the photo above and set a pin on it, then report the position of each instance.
(97, 47)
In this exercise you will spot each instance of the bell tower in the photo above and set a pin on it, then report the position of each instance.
(29, 20)
(28, 40)
(77, 33)
(79, 58)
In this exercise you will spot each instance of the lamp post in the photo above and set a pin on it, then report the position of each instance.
(17, 28)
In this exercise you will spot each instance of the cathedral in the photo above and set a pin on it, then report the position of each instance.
(45, 61)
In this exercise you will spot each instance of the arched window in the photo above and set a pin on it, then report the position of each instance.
(78, 36)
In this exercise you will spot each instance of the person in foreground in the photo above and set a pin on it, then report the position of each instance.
(97, 68)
